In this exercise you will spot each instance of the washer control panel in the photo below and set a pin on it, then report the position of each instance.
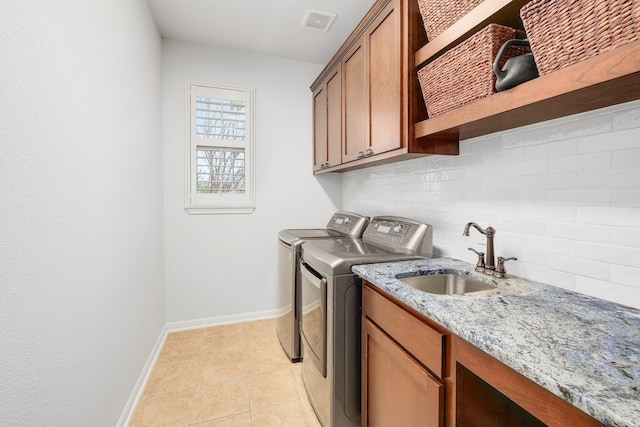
(348, 223)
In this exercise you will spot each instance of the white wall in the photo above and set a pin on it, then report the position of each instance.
(564, 196)
(224, 266)
(81, 292)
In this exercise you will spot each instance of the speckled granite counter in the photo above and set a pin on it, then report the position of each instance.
(583, 349)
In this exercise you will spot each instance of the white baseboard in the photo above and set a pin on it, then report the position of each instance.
(136, 394)
(138, 389)
(222, 320)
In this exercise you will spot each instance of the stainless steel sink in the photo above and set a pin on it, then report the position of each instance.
(446, 284)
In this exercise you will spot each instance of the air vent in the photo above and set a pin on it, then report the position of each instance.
(318, 21)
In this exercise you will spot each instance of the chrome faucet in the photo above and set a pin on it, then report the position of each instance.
(489, 232)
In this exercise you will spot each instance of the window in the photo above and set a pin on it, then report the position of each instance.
(219, 149)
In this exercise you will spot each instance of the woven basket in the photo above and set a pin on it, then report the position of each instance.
(465, 73)
(563, 32)
(438, 15)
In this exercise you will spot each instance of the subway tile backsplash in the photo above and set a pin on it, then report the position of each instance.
(564, 196)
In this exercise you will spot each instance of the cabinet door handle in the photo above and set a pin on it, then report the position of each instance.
(369, 152)
(360, 154)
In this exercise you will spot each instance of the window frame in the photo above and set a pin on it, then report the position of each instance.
(218, 203)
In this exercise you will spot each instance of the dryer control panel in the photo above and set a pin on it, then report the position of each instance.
(402, 235)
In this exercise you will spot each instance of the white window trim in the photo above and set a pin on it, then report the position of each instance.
(217, 204)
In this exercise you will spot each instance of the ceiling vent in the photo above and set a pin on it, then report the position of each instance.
(318, 21)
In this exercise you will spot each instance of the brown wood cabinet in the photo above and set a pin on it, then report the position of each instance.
(327, 121)
(381, 98)
(399, 390)
(397, 349)
(383, 114)
(416, 373)
(354, 98)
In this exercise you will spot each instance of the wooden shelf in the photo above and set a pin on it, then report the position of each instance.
(608, 79)
(505, 12)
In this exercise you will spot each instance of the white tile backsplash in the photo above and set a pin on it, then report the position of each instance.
(579, 232)
(626, 236)
(626, 159)
(609, 142)
(615, 216)
(581, 162)
(564, 196)
(624, 275)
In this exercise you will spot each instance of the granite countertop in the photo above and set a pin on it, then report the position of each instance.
(583, 349)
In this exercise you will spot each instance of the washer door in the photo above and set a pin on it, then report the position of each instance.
(314, 316)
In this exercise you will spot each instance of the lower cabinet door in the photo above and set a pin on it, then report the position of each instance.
(397, 390)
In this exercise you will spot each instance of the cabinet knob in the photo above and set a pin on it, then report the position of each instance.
(360, 154)
(369, 152)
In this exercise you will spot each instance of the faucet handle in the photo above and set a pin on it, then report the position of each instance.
(500, 270)
(480, 263)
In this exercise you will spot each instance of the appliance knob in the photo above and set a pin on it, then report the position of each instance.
(398, 228)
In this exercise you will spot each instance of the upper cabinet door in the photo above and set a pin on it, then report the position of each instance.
(355, 99)
(319, 128)
(383, 42)
(334, 118)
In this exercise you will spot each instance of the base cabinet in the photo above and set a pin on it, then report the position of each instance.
(416, 373)
(401, 366)
(398, 390)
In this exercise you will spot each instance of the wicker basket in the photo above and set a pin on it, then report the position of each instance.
(465, 73)
(563, 32)
(438, 15)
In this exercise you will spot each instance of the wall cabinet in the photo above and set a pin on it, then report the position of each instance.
(383, 114)
(372, 94)
(381, 98)
(416, 373)
(327, 121)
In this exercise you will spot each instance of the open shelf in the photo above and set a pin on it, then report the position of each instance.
(608, 79)
(505, 12)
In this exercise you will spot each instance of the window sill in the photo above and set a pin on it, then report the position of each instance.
(217, 211)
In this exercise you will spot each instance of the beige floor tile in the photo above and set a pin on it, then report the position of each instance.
(259, 328)
(220, 399)
(286, 414)
(264, 342)
(214, 377)
(220, 343)
(264, 361)
(242, 420)
(184, 335)
(231, 329)
(297, 370)
(217, 367)
(224, 354)
(176, 349)
(173, 376)
(272, 388)
(172, 408)
(265, 354)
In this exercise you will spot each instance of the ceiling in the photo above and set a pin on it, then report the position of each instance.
(271, 27)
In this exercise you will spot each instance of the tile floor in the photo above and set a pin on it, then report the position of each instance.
(230, 375)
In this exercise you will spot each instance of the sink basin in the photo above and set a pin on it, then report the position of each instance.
(446, 284)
